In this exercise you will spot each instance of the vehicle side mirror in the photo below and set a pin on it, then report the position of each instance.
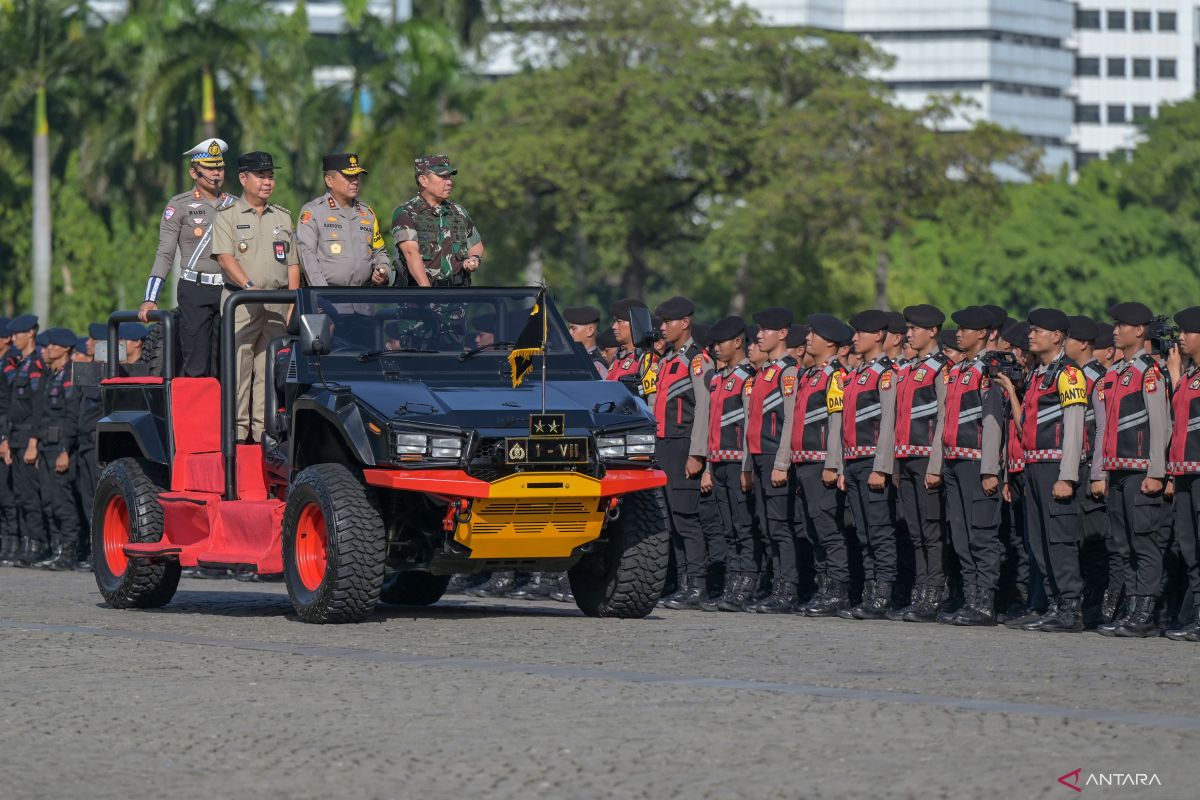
(316, 334)
(641, 329)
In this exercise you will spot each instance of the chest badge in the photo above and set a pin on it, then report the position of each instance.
(966, 379)
(729, 385)
(1196, 383)
(920, 376)
(336, 248)
(862, 379)
(197, 231)
(1126, 378)
(243, 246)
(770, 374)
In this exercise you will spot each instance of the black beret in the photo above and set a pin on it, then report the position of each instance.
(675, 308)
(606, 339)
(727, 328)
(797, 335)
(1017, 334)
(702, 334)
(896, 322)
(25, 322)
(4, 326)
(1049, 319)
(830, 328)
(256, 161)
(751, 334)
(947, 339)
(484, 322)
(620, 309)
(1083, 329)
(135, 331)
(774, 319)
(924, 316)
(63, 337)
(1104, 336)
(81, 344)
(999, 316)
(98, 331)
(976, 318)
(870, 321)
(656, 321)
(1131, 313)
(42, 339)
(581, 315)
(1188, 320)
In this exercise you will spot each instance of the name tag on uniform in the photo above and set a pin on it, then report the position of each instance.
(243, 227)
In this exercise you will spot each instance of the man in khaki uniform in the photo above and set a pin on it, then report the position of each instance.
(252, 241)
(338, 234)
(186, 227)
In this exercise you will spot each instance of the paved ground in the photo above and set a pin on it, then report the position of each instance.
(224, 694)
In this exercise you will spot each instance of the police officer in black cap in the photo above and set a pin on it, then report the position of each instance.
(581, 323)
(1134, 448)
(633, 359)
(897, 331)
(681, 408)
(10, 538)
(1183, 461)
(19, 446)
(57, 438)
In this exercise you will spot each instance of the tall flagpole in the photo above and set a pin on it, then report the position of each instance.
(544, 324)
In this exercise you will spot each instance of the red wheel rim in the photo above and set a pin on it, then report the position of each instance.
(312, 543)
(116, 534)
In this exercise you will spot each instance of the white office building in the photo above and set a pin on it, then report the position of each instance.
(1011, 58)
(1132, 57)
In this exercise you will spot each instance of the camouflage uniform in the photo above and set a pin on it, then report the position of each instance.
(444, 233)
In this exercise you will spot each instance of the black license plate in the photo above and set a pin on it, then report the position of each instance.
(546, 450)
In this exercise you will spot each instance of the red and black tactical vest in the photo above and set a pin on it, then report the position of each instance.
(727, 413)
(675, 397)
(1093, 373)
(962, 436)
(819, 394)
(862, 410)
(623, 364)
(1048, 394)
(917, 405)
(1183, 456)
(764, 406)
(1127, 420)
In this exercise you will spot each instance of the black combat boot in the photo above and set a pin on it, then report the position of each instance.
(739, 594)
(497, 586)
(980, 608)
(760, 595)
(50, 558)
(64, 558)
(536, 588)
(868, 594)
(781, 600)
(9, 550)
(835, 599)
(713, 603)
(1017, 609)
(1031, 615)
(1140, 622)
(457, 584)
(802, 608)
(1119, 616)
(562, 593)
(1110, 605)
(897, 614)
(1187, 633)
(32, 551)
(881, 601)
(1065, 615)
(681, 587)
(689, 597)
(925, 609)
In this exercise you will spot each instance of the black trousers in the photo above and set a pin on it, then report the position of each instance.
(27, 487)
(974, 521)
(819, 513)
(1101, 570)
(924, 518)
(199, 329)
(683, 507)
(1187, 531)
(1055, 528)
(1135, 522)
(58, 495)
(8, 505)
(774, 505)
(1017, 566)
(874, 515)
(743, 553)
(715, 540)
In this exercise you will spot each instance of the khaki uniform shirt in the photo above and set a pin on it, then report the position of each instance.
(340, 246)
(187, 227)
(261, 244)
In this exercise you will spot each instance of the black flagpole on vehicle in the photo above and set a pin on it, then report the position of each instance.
(542, 301)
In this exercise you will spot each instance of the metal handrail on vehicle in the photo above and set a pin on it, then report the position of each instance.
(166, 318)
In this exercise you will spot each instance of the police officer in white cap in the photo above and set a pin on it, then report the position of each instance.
(186, 227)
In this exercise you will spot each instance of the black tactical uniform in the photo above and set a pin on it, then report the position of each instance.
(24, 417)
(10, 539)
(57, 437)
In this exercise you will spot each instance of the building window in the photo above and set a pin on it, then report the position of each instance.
(1141, 68)
(1087, 113)
(1083, 158)
(1087, 19)
(1116, 20)
(1141, 20)
(1166, 21)
(1116, 67)
(1166, 68)
(1116, 115)
(1087, 66)
(1141, 113)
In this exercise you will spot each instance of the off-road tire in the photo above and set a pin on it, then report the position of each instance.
(624, 578)
(414, 588)
(352, 578)
(125, 485)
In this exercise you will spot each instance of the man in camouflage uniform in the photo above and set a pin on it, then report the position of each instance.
(338, 235)
(436, 241)
(186, 227)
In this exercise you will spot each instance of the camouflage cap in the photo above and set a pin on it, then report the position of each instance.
(437, 164)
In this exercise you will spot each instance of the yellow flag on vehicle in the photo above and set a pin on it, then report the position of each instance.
(530, 342)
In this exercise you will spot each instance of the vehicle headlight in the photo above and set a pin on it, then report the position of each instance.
(419, 446)
(633, 446)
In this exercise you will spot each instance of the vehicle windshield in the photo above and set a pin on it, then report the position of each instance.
(383, 321)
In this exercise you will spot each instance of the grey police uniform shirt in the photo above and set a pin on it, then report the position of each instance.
(187, 227)
(340, 246)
